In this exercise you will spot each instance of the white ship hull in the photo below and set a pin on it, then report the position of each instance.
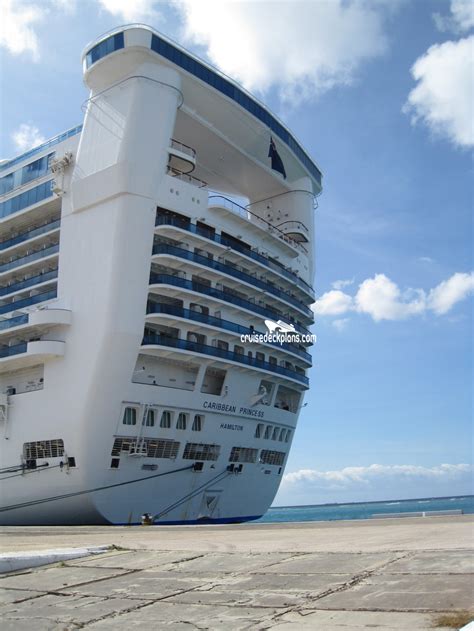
(127, 287)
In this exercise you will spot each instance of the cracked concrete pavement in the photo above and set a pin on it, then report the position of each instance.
(331, 576)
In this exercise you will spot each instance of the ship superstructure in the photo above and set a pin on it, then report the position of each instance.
(129, 276)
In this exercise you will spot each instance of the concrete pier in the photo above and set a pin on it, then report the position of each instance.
(392, 575)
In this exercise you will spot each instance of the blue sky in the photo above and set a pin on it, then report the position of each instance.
(380, 93)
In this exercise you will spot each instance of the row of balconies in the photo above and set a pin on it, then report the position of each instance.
(208, 232)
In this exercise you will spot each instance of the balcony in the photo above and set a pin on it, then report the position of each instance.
(190, 314)
(27, 354)
(42, 318)
(162, 220)
(204, 349)
(224, 202)
(28, 302)
(181, 157)
(29, 282)
(30, 234)
(296, 230)
(234, 272)
(34, 256)
(13, 322)
(175, 281)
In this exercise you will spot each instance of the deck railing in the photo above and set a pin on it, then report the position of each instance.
(176, 281)
(196, 347)
(256, 256)
(190, 314)
(226, 268)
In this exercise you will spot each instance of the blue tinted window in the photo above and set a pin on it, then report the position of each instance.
(226, 87)
(19, 202)
(104, 48)
(32, 171)
(32, 152)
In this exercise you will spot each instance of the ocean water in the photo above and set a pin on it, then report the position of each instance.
(365, 510)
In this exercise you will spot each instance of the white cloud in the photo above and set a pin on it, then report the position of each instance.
(20, 18)
(17, 21)
(330, 40)
(26, 137)
(382, 299)
(334, 302)
(442, 298)
(375, 482)
(426, 259)
(460, 20)
(363, 475)
(443, 96)
(340, 284)
(131, 10)
(340, 324)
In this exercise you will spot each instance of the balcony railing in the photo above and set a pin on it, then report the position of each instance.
(16, 321)
(196, 347)
(243, 212)
(190, 314)
(27, 302)
(293, 226)
(40, 254)
(256, 256)
(184, 177)
(24, 236)
(7, 351)
(29, 282)
(168, 279)
(186, 149)
(162, 248)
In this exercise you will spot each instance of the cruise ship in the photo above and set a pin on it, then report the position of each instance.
(145, 256)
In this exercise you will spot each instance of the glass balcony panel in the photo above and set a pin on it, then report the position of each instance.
(163, 340)
(189, 314)
(221, 295)
(30, 257)
(27, 302)
(162, 248)
(11, 322)
(24, 236)
(208, 234)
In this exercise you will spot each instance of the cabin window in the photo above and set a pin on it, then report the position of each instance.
(288, 436)
(182, 421)
(259, 430)
(165, 419)
(130, 416)
(198, 423)
(281, 437)
(260, 357)
(276, 433)
(268, 431)
(149, 420)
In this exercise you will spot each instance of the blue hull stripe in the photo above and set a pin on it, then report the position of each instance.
(198, 522)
